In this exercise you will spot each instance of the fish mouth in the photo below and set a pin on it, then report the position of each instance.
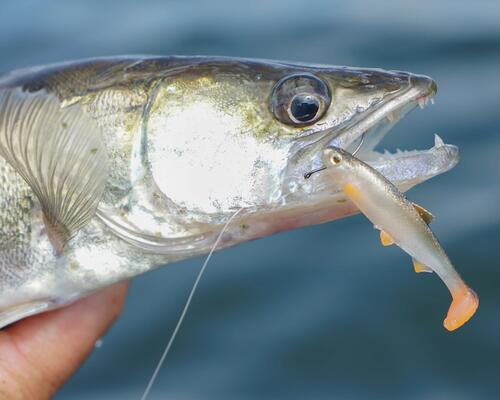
(403, 168)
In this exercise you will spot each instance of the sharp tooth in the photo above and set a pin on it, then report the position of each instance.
(438, 142)
(432, 100)
(421, 102)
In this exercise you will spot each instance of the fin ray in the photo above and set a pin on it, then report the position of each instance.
(59, 153)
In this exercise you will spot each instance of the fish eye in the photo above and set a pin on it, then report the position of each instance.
(304, 108)
(300, 99)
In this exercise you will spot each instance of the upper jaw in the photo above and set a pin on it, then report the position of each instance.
(419, 91)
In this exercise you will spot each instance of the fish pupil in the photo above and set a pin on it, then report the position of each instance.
(304, 107)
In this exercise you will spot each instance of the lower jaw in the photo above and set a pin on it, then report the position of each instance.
(318, 210)
(327, 203)
(324, 202)
(409, 168)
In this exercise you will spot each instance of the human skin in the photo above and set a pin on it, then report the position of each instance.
(39, 354)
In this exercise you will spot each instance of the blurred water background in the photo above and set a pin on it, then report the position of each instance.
(322, 312)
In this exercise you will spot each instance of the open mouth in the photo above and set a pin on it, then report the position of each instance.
(403, 168)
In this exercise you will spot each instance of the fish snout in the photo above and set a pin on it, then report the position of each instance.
(424, 85)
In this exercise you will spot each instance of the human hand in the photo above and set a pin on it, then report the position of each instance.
(39, 354)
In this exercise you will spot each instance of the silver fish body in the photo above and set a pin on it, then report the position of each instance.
(112, 167)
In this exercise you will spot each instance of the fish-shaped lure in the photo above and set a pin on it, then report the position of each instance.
(112, 167)
(403, 223)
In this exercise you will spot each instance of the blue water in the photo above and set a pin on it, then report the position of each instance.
(322, 312)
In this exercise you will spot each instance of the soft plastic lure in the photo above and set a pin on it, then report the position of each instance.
(403, 223)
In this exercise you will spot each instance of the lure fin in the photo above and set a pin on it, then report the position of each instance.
(386, 239)
(59, 153)
(427, 216)
(419, 267)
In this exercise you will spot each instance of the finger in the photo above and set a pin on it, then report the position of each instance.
(39, 354)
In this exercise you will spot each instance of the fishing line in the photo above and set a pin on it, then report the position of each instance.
(186, 306)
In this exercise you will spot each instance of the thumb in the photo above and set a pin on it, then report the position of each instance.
(39, 354)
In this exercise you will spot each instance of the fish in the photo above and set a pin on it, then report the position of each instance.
(403, 223)
(112, 167)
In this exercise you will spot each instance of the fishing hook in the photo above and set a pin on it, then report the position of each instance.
(307, 175)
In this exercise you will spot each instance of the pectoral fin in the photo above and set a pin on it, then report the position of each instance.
(59, 153)
(386, 239)
(427, 216)
(419, 267)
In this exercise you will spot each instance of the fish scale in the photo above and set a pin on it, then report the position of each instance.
(19, 259)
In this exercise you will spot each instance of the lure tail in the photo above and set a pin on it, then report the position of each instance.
(462, 308)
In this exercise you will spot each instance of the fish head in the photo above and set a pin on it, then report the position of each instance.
(225, 134)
